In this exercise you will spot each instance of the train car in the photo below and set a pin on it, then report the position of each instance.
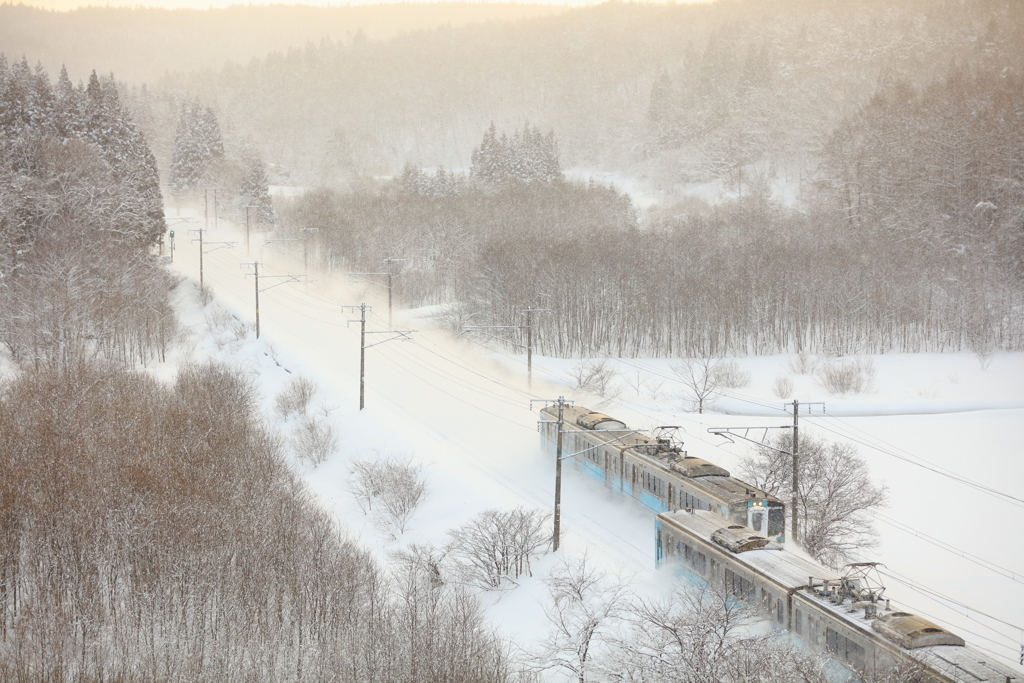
(842, 615)
(653, 469)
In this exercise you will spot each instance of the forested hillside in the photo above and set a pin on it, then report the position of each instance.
(679, 93)
(142, 44)
(911, 239)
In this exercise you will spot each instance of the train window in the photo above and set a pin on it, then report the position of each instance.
(654, 484)
(798, 621)
(844, 648)
(695, 560)
(737, 585)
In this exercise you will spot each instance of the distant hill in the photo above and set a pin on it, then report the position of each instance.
(680, 93)
(141, 44)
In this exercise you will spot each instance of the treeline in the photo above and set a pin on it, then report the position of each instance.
(926, 257)
(80, 206)
(153, 533)
(465, 242)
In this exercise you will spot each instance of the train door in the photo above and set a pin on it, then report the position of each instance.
(757, 519)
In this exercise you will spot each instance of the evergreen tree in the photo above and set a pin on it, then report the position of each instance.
(255, 191)
(528, 157)
(190, 156)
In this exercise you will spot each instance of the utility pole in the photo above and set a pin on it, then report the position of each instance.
(796, 455)
(362, 355)
(305, 247)
(202, 249)
(391, 271)
(796, 469)
(401, 335)
(256, 273)
(364, 277)
(529, 337)
(743, 433)
(200, 231)
(529, 343)
(556, 530)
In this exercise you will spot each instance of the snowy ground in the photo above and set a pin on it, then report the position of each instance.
(462, 411)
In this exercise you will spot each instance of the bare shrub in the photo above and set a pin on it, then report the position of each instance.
(205, 295)
(848, 377)
(495, 548)
(389, 490)
(730, 375)
(313, 439)
(595, 377)
(803, 364)
(295, 398)
(783, 387)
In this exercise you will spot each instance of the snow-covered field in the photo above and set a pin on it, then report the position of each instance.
(940, 431)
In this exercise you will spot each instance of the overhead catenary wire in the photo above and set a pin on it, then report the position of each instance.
(499, 382)
(980, 561)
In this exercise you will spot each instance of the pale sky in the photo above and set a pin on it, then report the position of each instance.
(205, 4)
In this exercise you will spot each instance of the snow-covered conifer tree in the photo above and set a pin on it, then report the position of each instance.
(255, 191)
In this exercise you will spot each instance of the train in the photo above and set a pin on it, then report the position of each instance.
(652, 468)
(843, 615)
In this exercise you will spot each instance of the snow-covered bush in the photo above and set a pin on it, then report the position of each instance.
(730, 375)
(783, 387)
(389, 490)
(295, 398)
(313, 439)
(803, 364)
(854, 376)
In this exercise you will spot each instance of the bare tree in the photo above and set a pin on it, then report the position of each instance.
(595, 377)
(586, 608)
(835, 491)
(699, 377)
(496, 547)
